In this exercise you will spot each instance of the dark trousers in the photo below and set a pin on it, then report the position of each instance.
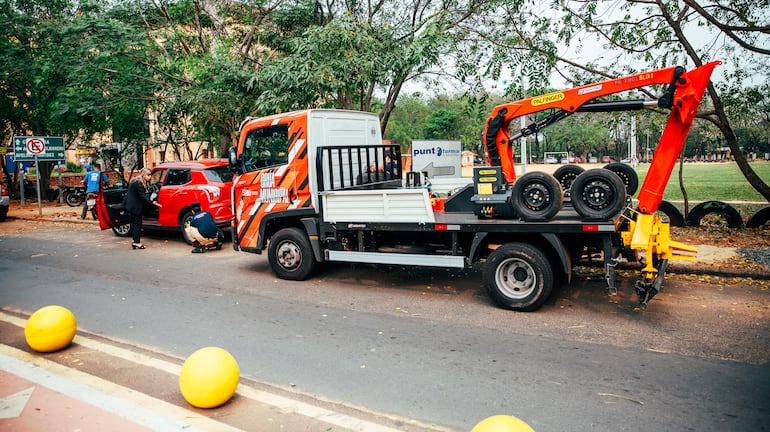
(136, 227)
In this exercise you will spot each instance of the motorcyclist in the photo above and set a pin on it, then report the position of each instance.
(91, 180)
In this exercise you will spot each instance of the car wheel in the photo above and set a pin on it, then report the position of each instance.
(183, 221)
(725, 213)
(598, 194)
(566, 174)
(536, 196)
(122, 230)
(290, 254)
(518, 276)
(627, 174)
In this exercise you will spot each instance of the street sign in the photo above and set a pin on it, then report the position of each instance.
(30, 148)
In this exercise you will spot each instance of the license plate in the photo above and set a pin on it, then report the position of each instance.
(91, 202)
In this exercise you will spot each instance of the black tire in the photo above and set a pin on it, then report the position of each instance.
(627, 174)
(670, 213)
(73, 199)
(183, 220)
(727, 212)
(122, 230)
(598, 194)
(759, 218)
(518, 276)
(290, 254)
(566, 174)
(536, 196)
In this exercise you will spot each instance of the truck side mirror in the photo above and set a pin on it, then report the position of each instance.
(232, 160)
(231, 156)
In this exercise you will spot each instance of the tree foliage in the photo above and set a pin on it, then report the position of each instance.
(171, 72)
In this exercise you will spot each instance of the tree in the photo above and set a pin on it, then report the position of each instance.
(660, 33)
(350, 52)
(63, 67)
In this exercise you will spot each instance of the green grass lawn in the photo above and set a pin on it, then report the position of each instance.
(718, 181)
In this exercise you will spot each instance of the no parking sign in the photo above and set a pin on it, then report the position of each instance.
(30, 148)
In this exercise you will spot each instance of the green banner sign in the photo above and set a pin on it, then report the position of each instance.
(27, 148)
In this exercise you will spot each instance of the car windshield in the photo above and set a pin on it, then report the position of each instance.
(221, 174)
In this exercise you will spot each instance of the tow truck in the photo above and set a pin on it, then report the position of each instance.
(319, 185)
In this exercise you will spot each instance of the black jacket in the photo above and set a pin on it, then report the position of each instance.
(136, 198)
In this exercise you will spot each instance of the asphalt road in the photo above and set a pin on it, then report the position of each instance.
(416, 343)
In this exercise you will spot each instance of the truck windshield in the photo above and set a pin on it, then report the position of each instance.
(266, 147)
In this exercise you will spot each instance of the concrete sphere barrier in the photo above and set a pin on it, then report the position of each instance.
(502, 423)
(209, 377)
(50, 328)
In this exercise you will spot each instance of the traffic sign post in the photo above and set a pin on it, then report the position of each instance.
(31, 148)
(37, 149)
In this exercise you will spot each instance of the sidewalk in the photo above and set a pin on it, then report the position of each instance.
(96, 385)
(52, 211)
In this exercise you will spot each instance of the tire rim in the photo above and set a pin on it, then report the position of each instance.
(515, 278)
(567, 179)
(288, 255)
(123, 229)
(536, 196)
(597, 194)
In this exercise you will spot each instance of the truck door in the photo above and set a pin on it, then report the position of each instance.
(274, 159)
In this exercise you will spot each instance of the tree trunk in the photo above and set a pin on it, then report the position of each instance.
(732, 141)
(390, 104)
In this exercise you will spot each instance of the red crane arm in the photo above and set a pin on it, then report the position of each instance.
(682, 96)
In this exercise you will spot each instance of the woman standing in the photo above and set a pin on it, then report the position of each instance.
(136, 201)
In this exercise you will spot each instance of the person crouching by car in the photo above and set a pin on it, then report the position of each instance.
(202, 230)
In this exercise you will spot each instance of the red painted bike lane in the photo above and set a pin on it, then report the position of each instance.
(29, 406)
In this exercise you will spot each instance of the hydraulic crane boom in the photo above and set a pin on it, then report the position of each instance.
(646, 233)
(683, 95)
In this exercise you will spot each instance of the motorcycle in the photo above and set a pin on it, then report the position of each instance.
(90, 204)
(74, 196)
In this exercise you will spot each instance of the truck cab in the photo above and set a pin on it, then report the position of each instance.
(284, 161)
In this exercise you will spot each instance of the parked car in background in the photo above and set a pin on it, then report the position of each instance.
(5, 201)
(606, 159)
(178, 185)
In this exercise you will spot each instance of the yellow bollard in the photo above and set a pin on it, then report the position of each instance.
(502, 423)
(50, 328)
(209, 377)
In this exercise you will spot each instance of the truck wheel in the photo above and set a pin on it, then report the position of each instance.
(566, 174)
(627, 174)
(598, 194)
(122, 230)
(671, 212)
(724, 211)
(536, 196)
(290, 254)
(759, 218)
(518, 276)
